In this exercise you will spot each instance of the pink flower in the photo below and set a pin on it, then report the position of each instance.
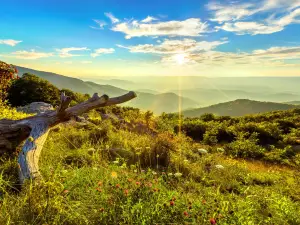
(212, 221)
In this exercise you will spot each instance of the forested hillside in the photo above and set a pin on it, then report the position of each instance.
(239, 107)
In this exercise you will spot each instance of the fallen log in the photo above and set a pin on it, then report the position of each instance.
(34, 130)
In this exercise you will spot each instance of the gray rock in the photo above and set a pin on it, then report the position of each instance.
(36, 108)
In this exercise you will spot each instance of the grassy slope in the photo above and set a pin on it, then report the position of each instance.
(84, 188)
(239, 107)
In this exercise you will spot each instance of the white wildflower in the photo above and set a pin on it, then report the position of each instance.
(154, 173)
(170, 174)
(220, 167)
(116, 162)
(202, 151)
(178, 174)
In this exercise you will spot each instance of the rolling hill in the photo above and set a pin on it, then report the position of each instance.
(239, 107)
(209, 96)
(158, 103)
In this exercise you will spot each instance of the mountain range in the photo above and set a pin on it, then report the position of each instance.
(239, 107)
(158, 103)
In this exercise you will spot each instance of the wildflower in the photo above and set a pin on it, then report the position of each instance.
(149, 184)
(219, 167)
(170, 174)
(186, 161)
(203, 201)
(172, 203)
(212, 221)
(154, 173)
(114, 174)
(135, 171)
(116, 162)
(95, 168)
(126, 192)
(138, 183)
(202, 151)
(185, 213)
(117, 185)
(148, 147)
(178, 174)
(66, 191)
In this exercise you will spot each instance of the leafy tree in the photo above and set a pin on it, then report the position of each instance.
(31, 88)
(7, 73)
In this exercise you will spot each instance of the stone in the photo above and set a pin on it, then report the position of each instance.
(36, 108)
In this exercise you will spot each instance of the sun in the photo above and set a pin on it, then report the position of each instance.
(180, 58)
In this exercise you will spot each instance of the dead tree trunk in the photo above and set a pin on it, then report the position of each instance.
(34, 130)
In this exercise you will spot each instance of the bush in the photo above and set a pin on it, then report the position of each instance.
(31, 88)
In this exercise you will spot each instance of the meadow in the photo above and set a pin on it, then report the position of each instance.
(142, 170)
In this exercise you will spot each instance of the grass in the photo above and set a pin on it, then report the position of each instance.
(148, 180)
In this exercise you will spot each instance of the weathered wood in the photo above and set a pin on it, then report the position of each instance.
(35, 130)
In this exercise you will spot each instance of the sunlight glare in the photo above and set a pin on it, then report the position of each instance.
(180, 58)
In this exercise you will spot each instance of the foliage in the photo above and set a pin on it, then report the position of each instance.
(31, 88)
(104, 173)
(7, 73)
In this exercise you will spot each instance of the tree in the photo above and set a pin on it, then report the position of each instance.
(7, 73)
(31, 88)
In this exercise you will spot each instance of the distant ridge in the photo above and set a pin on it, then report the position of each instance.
(239, 107)
(158, 103)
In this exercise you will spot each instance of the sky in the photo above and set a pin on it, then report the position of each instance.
(95, 38)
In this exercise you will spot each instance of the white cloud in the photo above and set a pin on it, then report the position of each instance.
(238, 17)
(149, 19)
(252, 28)
(65, 52)
(9, 42)
(191, 27)
(86, 62)
(30, 54)
(274, 57)
(175, 46)
(112, 18)
(101, 51)
(100, 24)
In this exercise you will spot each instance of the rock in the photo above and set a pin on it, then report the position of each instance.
(36, 108)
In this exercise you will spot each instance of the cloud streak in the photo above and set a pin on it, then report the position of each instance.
(65, 52)
(101, 51)
(30, 54)
(192, 27)
(9, 42)
(112, 18)
(239, 18)
(174, 46)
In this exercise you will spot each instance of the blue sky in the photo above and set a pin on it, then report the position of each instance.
(206, 38)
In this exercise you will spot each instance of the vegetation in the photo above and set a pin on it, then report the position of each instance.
(7, 73)
(30, 88)
(137, 168)
(159, 176)
(239, 107)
